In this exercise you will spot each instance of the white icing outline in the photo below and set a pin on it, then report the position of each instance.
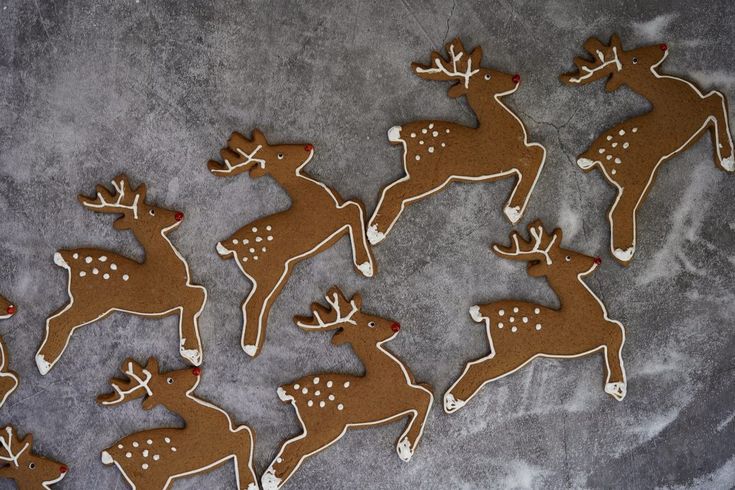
(3, 369)
(372, 229)
(252, 350)
(205, 468)
(407, 376)
(697, 134)
(44, 366)
(493, 352)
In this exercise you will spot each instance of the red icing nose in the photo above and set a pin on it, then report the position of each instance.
(598, 260)
(63, 470)
(663, 46)
(395, 327)
(196, 371)
(308, 147)
(516, 78)
(179, 216)
(11, 309)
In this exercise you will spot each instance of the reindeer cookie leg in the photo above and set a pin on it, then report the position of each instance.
(531, 170)
(292, 454)
(362, 256)
(414, 430)
(722, 137)
(244, 461)
(256, 309)
(191, 345)
(8, 379)
(622, 218)
(615, 383)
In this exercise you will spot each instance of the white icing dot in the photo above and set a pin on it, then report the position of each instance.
(613, 171)
(331, 397)
(501, 312)
(421, 142)
(515, 310)
(252, 250)
(88, 260)
(145, 453)
(614, 145)
(329, 384)
(536, 310)
(244, 259)
(296, 386)
(317, 393)
(621, 132)
(173, 449)
(258, 239)
(270, 238)
(321, 404)
(255, 257)
(514, 329)
(76, 256)
(305, 390)
(424, 131)
(167, 440)
(418, 157)
(347, 384)
(149, 442)
(626, 145)
(431, 125)
(245, 241)
(635, 130)
(617, 160)
(435, 133)
(601, 150)
(443, 145)
(128, 455)
(82, 274)
(144, 466)
(413, 135)
(125, 277)
(263, 249)
(255, 229)
(235, 241)
(268, 228)
(430, 149)
(511, 319)
(609, 137)
(103, 258)
(538, 326)
(95, 271)
(113, 266)
(279, 460)
(446, 130)
(316, 381)
(525, 319)
(105, 276)
(119, 446)
(500, 324)
(156, 457)
(310, 403)
(135, 444)
(340, 407)
(609, 157)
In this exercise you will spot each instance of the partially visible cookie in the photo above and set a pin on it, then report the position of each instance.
(21, 464)
(8, 379)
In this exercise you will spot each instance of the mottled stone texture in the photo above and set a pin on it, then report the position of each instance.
(154, 88)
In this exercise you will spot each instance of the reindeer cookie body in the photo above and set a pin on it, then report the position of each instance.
(29, 470)
(630, 153)
(101, 282)
(8, 379)
(329, 404)
(519, 332)
(267, 249)
(153, 459)
(436, 153)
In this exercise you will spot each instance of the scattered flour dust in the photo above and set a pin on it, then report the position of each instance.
(522, 475)
(722, 477)
(654, 29)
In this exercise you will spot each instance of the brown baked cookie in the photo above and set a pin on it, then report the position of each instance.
(29, 470)
(8, 379)
(329, 404)
(153, 459)
(630, 153)
(101, 282)
(267, 249)
(519, 332)
(436, 153)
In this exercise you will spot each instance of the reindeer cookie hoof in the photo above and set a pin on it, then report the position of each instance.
(475, 314)
(513, 213)
(366, 268)
(374, 236)
(59, 260)
(253, 486)
(222, 250)
(394, 134)
(250, 350)
(285, 397)
(624, 255)
(617, 390)
(585, 163)
(269, 481)
(43, 366)
(451, 404)
(192, 355)
(106, 458)
(404, 450)
(729, 163)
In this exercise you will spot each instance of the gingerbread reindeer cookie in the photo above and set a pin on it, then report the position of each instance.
(519, 332)
(329, 404)
(101, 282)
(267, 249)
(630, 153)
(8, 379)
(153, 459)
(436, 153)
(29, 470)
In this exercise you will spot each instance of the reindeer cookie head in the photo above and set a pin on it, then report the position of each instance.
(25, 467)
(147, 381)
(613, 62)
(353, 326)
(7, 309)
(464, 69)
(258, 157)
(130, 203)
(544, 254)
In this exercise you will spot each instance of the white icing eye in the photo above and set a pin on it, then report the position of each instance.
(371, 324)
(635, 61)
(568, 258)
(487, 76)
(152, 212)
(280, 156)
(170, 381)
(32, 466)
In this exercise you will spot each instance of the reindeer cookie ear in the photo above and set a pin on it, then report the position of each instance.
(122, 223)
(456, 90)
(259, 137)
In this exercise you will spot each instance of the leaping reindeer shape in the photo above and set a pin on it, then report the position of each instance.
(630, 153)
(436, 153)
(519, 332)
(29, 470)
(268, 249)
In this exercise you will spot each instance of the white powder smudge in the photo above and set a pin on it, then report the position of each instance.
(172, 193)
(713, 79)
(569, 221)
(651, 427)
(722, 477)
(522, 475)
(653, 29)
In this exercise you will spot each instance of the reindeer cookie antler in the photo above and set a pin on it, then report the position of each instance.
(153, 459)
(267, 249)
(8, 379)
(519, 332)
(436, 153)
(101, 282)
(29, 470)
(630, 153)
(329, 404)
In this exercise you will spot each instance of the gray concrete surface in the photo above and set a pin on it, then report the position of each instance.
(89, 89)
